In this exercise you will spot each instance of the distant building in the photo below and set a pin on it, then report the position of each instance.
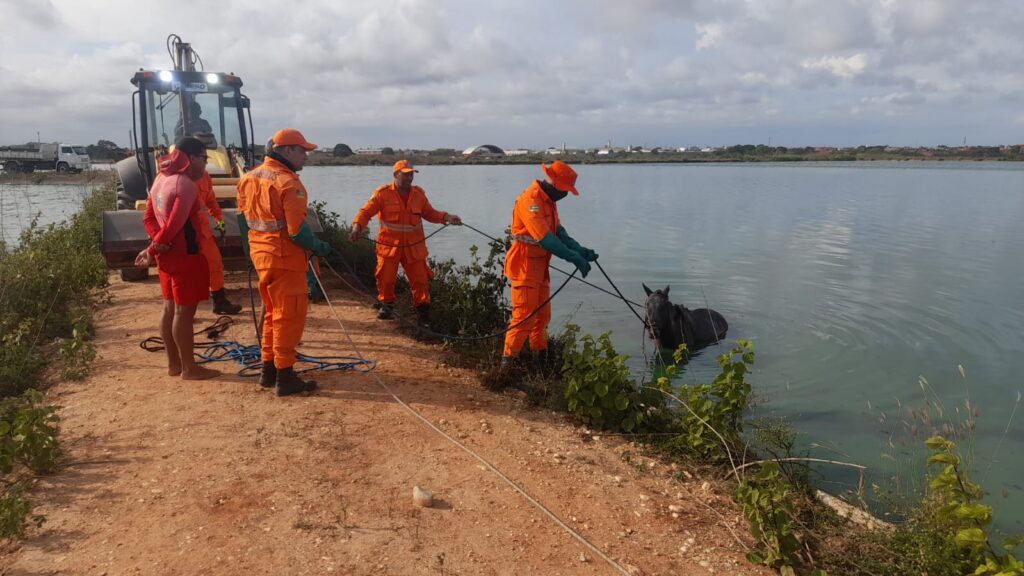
(483, 150)
(368, 151)
(517, 152)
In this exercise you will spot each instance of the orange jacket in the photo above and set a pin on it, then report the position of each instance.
(274, 203)
(533, 216)
(401, 221)
(209, 200)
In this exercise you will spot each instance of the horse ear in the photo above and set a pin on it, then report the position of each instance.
(646, 289)
(666, 290)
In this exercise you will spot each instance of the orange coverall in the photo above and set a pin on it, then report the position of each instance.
(526, 267)
(207, 245)
(273, 201)
(400, 239)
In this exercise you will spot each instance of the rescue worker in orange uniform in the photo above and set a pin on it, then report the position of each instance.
(401, 208)
(209, 249)
(537, 233)
(273, 201)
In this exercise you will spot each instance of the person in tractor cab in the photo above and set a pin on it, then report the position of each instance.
(197, 124)
(401, 208)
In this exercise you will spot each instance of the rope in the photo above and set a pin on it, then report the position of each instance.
(219, 326)
(379, 243)
(556, 269)
(249, 356)
(449, 337)
(540, 506)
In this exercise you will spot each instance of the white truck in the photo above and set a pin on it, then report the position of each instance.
(44, 156)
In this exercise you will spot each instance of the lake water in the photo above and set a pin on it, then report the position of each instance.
(853, 280)
(51, 203)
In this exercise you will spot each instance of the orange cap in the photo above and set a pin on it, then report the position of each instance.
(403, 166)
(292, 137)
(562, 176)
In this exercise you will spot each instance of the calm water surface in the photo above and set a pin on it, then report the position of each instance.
(50, 203)
(854, 281)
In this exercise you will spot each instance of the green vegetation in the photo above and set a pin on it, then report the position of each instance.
(468, 300)
(598, 387)
(356, 259)
(49, 285)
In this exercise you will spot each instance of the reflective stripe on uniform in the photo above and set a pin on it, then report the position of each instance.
(262, 173)
(525, 239)
(401, 227)
(266, 225)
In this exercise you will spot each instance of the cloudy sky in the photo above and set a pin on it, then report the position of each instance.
(526, 73)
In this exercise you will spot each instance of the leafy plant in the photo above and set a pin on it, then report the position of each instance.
(358, 259)
(468, 300)
(712, 417)
(958, 510)
(28, 438)
(598, 387)
(766, 506)
(28, 433)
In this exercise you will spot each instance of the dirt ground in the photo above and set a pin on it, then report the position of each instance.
(221, 477)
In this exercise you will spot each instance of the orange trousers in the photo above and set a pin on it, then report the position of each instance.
(416, 271)
(285, 303)
(208, 248)
(525, 299)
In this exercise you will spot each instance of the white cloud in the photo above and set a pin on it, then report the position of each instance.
(710, 35)
(444, 72)
(841, 67)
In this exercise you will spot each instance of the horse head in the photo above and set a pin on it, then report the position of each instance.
(661, 317)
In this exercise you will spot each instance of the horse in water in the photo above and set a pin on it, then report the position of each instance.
(673, 324)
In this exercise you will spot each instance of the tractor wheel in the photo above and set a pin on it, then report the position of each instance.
(63, 167)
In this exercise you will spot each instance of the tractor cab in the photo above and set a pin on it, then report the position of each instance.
(169, 104)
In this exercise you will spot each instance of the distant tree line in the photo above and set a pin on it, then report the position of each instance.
(106, 150)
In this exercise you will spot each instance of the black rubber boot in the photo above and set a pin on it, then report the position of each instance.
(268, 376)
(221, 304)
(507, 363)
(385, 312)
(288, 383)
(423, 316)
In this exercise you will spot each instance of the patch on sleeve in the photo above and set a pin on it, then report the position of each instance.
(301, 193)
(533, 208)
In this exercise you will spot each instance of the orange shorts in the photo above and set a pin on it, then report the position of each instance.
(185, 279)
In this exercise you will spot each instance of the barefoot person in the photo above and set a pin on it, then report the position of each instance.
(172, 220)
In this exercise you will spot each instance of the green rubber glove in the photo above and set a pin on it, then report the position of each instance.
(243, 231)
(552, 244)
(307, 240)
(588, 254)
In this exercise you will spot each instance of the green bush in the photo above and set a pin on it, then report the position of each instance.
(49, 285)
(358, 259)
(712, 414)
(469, 300)
(28, 439)
(598, 387)
(764, 497)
